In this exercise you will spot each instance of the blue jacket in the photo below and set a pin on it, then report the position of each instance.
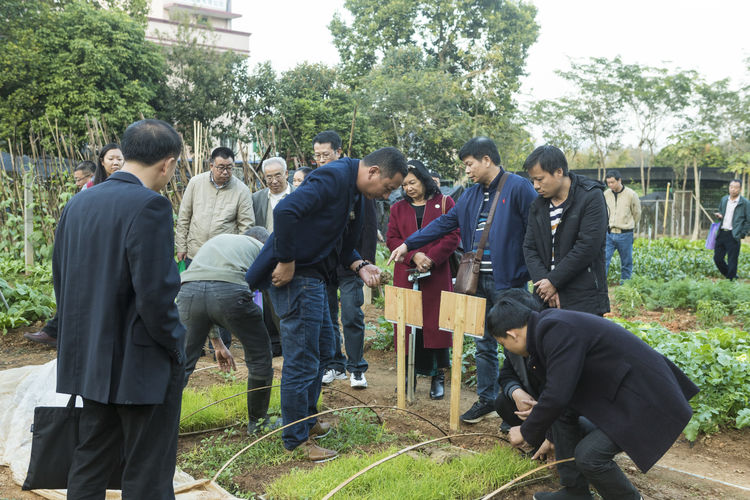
(324, 212)
(506, 234)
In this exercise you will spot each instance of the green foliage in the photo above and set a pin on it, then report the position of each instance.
(62, 61)
(30, 298)
(629, 300)
(717, 361)
(383, 340)
(410, 476)
(711, 312)
(225, 413)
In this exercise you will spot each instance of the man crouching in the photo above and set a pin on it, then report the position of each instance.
(636, 398)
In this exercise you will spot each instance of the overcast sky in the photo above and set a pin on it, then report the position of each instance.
(710, 37)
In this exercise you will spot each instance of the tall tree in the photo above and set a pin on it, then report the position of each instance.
(61, 61)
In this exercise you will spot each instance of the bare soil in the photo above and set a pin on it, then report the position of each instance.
(706, 469)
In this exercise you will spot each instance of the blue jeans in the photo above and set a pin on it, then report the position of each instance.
(488, 367)
(307, 343)
(353, 320)
(623, 243)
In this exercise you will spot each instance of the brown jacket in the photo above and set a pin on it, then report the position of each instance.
(206, 211)
(625, 211)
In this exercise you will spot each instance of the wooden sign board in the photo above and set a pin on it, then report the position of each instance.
(473, 313)
(413, 310)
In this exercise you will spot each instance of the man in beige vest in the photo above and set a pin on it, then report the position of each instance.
(624, 211)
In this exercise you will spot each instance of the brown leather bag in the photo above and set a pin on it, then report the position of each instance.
(467, 277)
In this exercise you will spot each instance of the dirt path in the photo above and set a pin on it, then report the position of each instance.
(724, 457)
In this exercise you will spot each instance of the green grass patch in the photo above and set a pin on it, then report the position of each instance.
(468, 476)
(225, 413)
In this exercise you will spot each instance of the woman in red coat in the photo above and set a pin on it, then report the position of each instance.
(422, 204)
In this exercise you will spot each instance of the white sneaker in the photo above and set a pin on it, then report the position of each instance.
(358, 380)
(331, 375)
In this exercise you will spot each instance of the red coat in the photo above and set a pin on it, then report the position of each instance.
(402, 223)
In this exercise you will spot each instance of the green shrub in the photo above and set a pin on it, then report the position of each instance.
(711, 312)
(629, 301)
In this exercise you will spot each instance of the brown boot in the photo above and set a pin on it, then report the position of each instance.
(319, 430)
(311, 451)
(41, 338)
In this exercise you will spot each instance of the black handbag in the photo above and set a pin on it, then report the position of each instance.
(55, 438)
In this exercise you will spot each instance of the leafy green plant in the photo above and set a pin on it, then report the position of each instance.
(629, 301)
(30, 298)
(383, 340)
(711, 312)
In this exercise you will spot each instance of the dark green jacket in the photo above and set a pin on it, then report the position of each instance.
(741, 218)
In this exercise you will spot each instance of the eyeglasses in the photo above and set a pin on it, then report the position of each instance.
(225, 168)
(274, 177)
(323, 156)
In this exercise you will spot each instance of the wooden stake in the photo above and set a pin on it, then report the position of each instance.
(458, 349)
(28, 221)
(401, 349)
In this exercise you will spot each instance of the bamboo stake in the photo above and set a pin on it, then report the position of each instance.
(666, 209)
(458, 349)
(28, 223)
(299, 151)
(351, 132)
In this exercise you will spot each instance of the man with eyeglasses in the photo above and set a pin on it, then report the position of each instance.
(327, 148)
(264, 201)
(215, 202)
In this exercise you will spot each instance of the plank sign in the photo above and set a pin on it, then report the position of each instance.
(404, 307)
(461, 314)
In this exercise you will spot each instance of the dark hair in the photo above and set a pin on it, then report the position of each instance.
(101, 173)
(149, 141)
(86, 166)
(549, 158)
(613, 174)
(479, 147)
(223, 152)
(417, 168)
(259, 233)
(304, 170)
(390, 160)
(737, 181)
(328, 137)
(511, 310)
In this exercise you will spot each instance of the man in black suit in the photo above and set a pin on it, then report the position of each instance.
(121, 345)
(636, 398)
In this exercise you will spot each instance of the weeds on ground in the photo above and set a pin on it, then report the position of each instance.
(409, 476)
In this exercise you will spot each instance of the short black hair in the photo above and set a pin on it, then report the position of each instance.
(222, 152)
(613, 174)
(512, 309)
(479, 147)
(101, 173)
(328, 137)
(390, 160)
(259, 233)
(304, 170)
(87, 166)
(149, 141)
(737, 181)
(417, 168)
(549, 158)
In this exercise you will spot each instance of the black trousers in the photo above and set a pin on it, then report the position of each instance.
(143, 436)
(727, 246)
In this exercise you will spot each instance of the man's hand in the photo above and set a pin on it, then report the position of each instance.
(555, 300)
(545, 289)
(370, 274)
(422, 261)
(718, 215)
(545, 452)
(516, 438)
(224, 358)
(398, 254)
(181, 256)
(282, 274)
(524, 403)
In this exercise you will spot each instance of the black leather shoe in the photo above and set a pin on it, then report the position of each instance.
(437, 388)
(41, 338)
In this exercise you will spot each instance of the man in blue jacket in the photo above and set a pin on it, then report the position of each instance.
(502, 266)
(316, 227)
(636, 398)
(121, 346)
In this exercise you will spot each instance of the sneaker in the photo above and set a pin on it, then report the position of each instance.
(505, 427)
(320, 430)
(311, 451)
(331, 375)
(258, 425)
(564, 494)
(479, 411)
(358, 380)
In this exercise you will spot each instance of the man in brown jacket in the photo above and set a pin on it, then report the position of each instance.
(624, 211)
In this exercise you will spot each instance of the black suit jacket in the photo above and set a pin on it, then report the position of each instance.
(115, 281)
(593, 366)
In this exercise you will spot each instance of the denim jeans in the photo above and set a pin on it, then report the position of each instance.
(201, 305)
(307, 343)
(488, 367)
(623, 243)
(226, 335)
(353, 319)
